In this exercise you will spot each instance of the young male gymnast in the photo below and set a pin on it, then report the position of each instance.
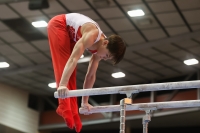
(69, 36)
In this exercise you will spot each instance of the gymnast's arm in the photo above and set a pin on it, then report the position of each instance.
(90, 78)
(84, 42)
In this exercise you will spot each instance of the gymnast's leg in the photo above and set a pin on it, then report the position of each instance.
(60, 51)
(73, 100)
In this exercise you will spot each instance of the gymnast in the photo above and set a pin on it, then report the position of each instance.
(69, 36)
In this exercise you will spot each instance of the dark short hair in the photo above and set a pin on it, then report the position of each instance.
(117, 48)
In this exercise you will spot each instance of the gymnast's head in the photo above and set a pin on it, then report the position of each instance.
(114, 47)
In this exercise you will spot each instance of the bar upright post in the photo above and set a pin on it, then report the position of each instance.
(123, 103)
(146, 119)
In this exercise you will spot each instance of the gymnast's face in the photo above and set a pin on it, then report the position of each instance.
(102, 51)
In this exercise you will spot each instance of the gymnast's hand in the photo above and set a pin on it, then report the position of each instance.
(86, 106)
(62, 91)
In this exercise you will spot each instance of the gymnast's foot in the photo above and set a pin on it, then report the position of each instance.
(67, 116)
(78, 124)
(59, 110)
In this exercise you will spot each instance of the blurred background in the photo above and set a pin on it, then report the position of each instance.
(163, 45)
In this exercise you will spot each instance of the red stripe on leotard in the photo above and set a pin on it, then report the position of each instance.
(92, 51)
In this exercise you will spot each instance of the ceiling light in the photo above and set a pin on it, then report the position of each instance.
(135, 13)
(191, 61)
(82, 56)
(85, 59)
(118, 75)
(39, 24)
(52, 85)
(4, 64)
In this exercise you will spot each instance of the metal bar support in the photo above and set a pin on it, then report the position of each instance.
(123, 103)
(146, 119)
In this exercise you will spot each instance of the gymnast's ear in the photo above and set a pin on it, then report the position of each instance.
(105, 42)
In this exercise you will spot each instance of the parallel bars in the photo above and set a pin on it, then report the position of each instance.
(128, 90)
